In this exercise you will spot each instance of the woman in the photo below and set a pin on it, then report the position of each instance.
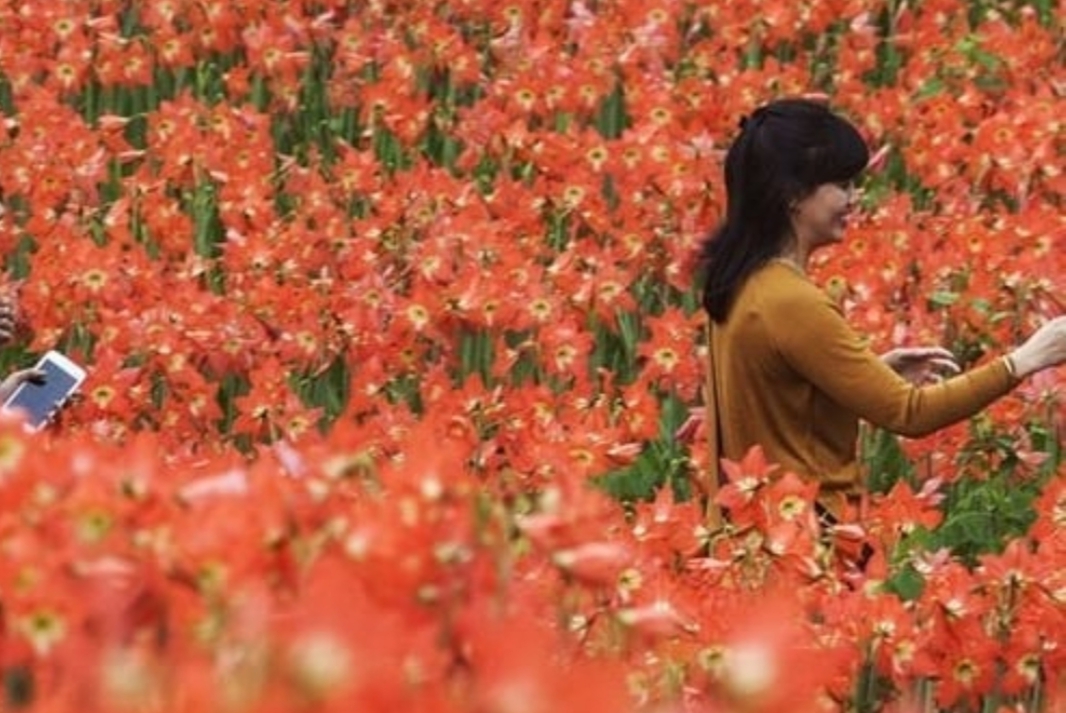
(786, 372)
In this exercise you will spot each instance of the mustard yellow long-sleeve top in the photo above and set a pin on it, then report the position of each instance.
(794, 377)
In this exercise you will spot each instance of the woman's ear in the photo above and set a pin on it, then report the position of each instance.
(797, 196)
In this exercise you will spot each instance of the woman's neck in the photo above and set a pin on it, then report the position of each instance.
(794, 257)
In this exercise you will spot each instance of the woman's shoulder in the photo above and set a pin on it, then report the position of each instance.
(781, 279)
(782, 290)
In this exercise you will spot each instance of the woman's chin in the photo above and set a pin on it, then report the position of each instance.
(839, 229)
(833, 237)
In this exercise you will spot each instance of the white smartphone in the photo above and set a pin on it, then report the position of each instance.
(39, 402)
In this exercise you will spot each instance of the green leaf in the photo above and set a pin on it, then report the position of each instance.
(611, 116)
(931, 87)
(885, 461)
(943, 298)
(906, 583)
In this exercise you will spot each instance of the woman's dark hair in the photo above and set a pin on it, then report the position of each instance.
(785, 150)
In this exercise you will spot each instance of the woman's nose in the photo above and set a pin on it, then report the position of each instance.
(854, 194)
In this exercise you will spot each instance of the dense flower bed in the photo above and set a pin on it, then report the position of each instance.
(389, 321)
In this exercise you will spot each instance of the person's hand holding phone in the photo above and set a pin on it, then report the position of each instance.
(17, 378)
(41, 391)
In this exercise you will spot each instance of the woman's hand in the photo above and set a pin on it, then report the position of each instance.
(1045, 348)
(921, 365)
(16, 379)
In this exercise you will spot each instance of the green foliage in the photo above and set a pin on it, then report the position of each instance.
(989, 503)
(327, 389)
(906, 583)
(611, 118)
(871, 689)
(980, 516)
(476, 356)
(230, 387)
(662, 463)
(616, 350)
(883, 460)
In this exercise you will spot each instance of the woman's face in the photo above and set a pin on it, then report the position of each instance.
(821, 217)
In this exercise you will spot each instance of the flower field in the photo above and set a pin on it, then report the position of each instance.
(390, 324)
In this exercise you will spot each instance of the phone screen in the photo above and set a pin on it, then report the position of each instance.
(38, 401)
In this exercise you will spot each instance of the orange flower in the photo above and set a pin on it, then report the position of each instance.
(747, 478)
(902, 510)
(564, 347)
(668, 353)
(594, 563)
(665, 528)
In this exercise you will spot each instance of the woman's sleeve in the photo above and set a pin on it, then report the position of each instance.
(817, 342)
